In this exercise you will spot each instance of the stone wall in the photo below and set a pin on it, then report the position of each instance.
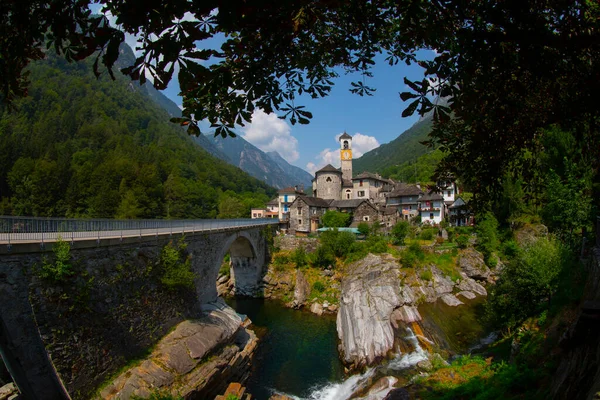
(329, 190)
(112, 309)
(365, 210)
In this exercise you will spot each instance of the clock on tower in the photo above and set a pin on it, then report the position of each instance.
(346, 155)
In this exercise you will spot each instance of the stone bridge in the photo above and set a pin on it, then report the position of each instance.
(61, 339)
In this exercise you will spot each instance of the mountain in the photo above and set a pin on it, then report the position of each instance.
(297, 174)
(268, 167)
(78, 146)
(404, 148)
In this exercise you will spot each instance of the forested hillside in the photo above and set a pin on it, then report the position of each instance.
(78, 146)
(405, 148)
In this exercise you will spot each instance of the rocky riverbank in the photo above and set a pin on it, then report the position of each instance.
(380, 298)
(196, 360)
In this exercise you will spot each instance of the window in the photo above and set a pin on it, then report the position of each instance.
(348, 195)
(361, 193)
(254, 215)
(410, 207)
(299, 211)
(366, 218)
(427, 204)
(360, 183)
(328, 179)
(345, 144)
(430, 215)
(299, 222)
(449, 193)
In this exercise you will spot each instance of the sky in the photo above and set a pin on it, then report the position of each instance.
(371, 121)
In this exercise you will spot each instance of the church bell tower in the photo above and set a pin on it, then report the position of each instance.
(346, 155)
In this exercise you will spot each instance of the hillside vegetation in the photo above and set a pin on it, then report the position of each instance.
(78, 146)
(405, 148)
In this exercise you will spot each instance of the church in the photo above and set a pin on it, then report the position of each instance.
(338, 184)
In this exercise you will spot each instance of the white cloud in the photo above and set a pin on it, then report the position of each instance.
(269, 133)
(360, 145)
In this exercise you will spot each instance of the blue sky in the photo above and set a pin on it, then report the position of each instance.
(370, 120)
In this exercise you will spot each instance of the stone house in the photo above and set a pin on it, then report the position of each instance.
(305, 214)
(406, 199)
(368, 186)
(390, 215)
(459, 213)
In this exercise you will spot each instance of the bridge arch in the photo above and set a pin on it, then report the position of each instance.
(247, 250)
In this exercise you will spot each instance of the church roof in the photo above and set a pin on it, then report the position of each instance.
(368, 175)
(329, 168)
(345, 136)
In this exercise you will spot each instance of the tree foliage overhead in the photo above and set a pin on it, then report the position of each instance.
(509, 68)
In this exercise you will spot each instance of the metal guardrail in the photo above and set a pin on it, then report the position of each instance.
(39, 230)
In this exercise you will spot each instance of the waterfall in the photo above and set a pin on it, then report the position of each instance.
(407, 360)
(345, 389)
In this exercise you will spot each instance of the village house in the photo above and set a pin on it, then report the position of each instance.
(305, 214)
(406, 198)
(286, 197)
(459, 213)
(370, 186)
(362, 210)
(431, 208)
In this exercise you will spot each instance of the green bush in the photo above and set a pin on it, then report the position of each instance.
(61, 268)
(412, 256)
(318, 286)
(336, 219)
(528, 283)
(427, 234)
(376, 244)
(399, 232)
(487, 235)
(426, 274)
(299, 257)
(338, 243)
(462, 241)
(322, 257)
(510, 249)
(364, 228)
(176, 266)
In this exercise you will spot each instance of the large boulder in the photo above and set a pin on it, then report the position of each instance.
(370, 292)
(301, 291)
(472, 264)
(470, 285)
(530, 233)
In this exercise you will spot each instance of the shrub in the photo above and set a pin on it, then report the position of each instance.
(338, 243)
(376, 244)
(399, 232)
(426, 274)
(299, 257)
(336, 219)
(364, 228)
(61, 268)
(462, 241)
(510, 249)
(487, 235)
(176, 266)
(412, 256)
(427, 234)
(527, 283)
(318, 286)
(322, 257)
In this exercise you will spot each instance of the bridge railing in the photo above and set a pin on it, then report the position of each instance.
(31, 229)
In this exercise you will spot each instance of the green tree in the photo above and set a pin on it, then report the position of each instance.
(487, 235)
(336, 242)
(528, 282)
(364, 228)
(400, 231)
(336, 219)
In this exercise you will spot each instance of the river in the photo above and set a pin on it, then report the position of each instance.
(297, 354)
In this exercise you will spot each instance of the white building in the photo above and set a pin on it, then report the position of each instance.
(432, 208)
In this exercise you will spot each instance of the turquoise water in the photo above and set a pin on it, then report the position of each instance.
(297, 353)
